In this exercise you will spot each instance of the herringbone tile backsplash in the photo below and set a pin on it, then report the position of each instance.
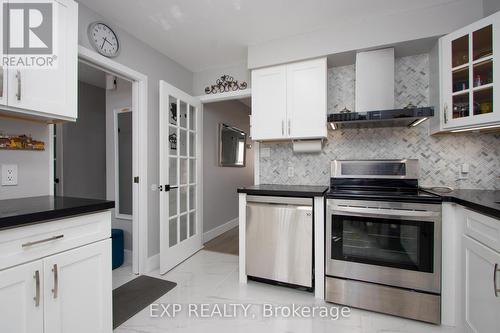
(440, 156)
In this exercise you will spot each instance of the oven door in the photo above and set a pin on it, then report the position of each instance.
(391, 243)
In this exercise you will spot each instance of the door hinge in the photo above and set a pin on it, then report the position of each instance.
(136, 180)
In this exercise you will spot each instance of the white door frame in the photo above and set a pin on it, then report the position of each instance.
(140, 157)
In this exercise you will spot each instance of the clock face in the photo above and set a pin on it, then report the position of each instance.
(103, 39)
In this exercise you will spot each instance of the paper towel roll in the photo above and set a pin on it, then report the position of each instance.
(307, 146)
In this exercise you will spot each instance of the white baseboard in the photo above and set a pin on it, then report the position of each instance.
(153, 263)
(217, 231)
(127, 257)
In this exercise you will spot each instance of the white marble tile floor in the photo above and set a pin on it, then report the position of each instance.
(212, 278)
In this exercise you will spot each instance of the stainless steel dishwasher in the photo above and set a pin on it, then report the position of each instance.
(279, 239)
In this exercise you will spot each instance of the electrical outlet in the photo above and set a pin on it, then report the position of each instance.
(9, 174)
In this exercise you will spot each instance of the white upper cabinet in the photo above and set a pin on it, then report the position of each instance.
(469, 75)
(289, 101)
(49, 94)
(268, 103)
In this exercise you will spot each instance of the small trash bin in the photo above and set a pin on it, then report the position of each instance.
(117, 247)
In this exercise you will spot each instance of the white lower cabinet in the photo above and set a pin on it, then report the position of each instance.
(21, 308)
(482, 305)
(65, 289)
(78, 290)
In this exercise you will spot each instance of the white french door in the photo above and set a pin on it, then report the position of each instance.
(180, 225)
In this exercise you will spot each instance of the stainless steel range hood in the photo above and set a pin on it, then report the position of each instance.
(374, 94)
(383, 118)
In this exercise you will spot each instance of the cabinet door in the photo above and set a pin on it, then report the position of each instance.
(51, 92)
(78, 290)
(469, 60)
(268, 103)
(306, 99)
(482, 307)
(21, 298)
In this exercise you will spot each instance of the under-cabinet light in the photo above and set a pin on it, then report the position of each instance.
(475, 128)
(417, 122)
(333, 126)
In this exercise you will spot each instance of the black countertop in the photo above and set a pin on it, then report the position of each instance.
(482, 201)
(307, 191)
(18, 212)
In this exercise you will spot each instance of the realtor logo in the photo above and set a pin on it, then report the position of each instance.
(28, 34)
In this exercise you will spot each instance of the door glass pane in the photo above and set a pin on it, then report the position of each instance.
(460, 106)
(192, 144)
(172, 101)
(172, 140)
(172, 231)
(483, 73)
(183, 227)
(192, 171)
(192, 118)
(461, 79)
(192, 197)
(482, 42)
(183, 169)
(183, 115)
(183, 142)
(460, 51)
(183, 199)
(483, 101)
(172, 202)
(192, 224)
(172, 177)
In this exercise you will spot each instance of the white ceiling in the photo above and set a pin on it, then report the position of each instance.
(206, 34)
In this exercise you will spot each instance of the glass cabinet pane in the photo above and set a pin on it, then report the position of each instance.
(482, 42)
(483, 73)
(461, 79)
(460, 106)
(483, 101)
(460, 51)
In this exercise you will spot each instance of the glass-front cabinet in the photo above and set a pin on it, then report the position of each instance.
(469, 60)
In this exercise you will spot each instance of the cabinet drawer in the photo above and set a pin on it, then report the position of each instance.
(32, 242)
(483, 228)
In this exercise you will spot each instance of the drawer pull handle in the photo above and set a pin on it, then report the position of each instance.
(42, 241)
(495, 280)
(37, 290)
(56, 281)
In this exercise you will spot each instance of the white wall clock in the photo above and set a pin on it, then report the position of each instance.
(104, 39)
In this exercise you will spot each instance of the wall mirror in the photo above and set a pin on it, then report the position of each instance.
(232, 146)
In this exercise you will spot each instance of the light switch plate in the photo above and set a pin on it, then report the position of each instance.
(9, 174)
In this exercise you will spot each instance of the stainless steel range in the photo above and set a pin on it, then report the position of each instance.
(383, 239)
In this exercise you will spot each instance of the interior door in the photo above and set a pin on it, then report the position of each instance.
(21, 298)
(180, 227)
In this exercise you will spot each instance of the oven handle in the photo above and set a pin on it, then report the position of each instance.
(382, 211)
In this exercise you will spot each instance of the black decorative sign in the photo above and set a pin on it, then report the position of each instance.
(224, 84)
(172, 138)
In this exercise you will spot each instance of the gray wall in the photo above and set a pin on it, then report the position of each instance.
(490, 6)
(440, 156)
(142, 58)
(347, 34)
(33, 166)
(84, 146)
(220, 200)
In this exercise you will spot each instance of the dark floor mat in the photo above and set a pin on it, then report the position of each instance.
(135, 295)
